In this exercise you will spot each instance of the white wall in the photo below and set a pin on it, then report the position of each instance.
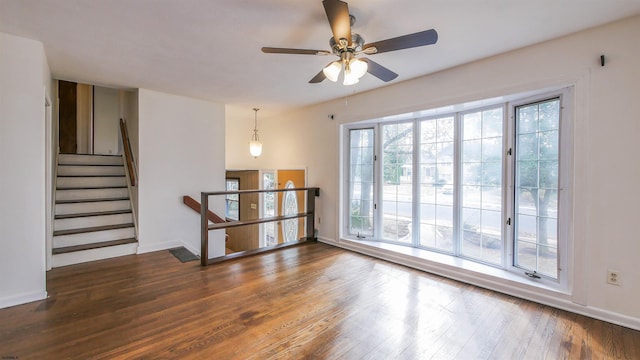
(606, 127)
(105, 121)
(25, 80)
(181, 152)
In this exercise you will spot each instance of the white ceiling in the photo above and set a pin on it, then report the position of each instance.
(210, 49)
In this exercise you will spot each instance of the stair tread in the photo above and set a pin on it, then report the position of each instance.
(98, 213)
(91, 188)
(89, 164)
(92, 229)
(89, 176)
(75, 201)
(68, 249)
(72, 155)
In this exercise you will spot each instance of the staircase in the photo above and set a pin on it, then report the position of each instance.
(92, 217)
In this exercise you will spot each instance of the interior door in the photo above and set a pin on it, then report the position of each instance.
(291, 230)
(67, 117)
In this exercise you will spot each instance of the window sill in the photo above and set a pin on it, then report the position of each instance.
(459, 269)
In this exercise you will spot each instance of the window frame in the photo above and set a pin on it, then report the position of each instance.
(508, 105)
(565, 179)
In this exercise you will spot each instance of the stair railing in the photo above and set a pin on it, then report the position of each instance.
(309, 214)
(128, 154)
(130, 170)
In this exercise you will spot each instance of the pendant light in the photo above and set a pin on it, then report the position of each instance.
(255, 146)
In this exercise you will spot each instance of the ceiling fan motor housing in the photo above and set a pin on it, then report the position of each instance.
(357, 42)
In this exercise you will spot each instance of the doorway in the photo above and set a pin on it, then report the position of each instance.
(289, 203)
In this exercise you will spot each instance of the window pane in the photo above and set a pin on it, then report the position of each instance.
(527, 147)
(482, 229)
(361, 182)
(436, 169)
(471, 233)
(472, 150)
(428, 194)
(472, 196)
(549, 145)
(492, 149)
(492, 197)
(536, 227)
(397, 169)
(548, 261)
(527, 174)
(445, 152)
(445, 129)
(527, 119)
(472, 126)
(548, 174)
(492, 173)
(471, 174)
(492, 123)
(428, 153)
(549, 115)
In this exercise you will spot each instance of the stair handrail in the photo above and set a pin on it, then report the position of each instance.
(128, 154)
(309, 214)
(195, 205)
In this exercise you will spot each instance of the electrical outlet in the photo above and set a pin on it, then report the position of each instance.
(613, 277)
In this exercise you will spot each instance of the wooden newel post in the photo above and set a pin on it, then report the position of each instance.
(204, 229)
(311, 210)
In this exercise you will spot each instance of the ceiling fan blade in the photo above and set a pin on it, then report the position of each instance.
(379, 71)
(318, 78)
(272, 50)
(421, 38)
(338, 16)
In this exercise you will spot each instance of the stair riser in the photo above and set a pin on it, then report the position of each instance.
(91, 207)
(73, 159)
(90, 170)
(92, 221)
(90, 182)
(92, 194)
(92, 237)
(93, 254)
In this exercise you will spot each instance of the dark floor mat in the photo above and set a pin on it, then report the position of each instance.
(183, 254)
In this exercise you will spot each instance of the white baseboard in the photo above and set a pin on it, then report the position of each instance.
(9, 301)
(518, 289)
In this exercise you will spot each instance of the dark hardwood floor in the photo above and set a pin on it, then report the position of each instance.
(308, 302)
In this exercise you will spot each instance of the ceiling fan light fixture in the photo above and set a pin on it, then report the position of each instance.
(332, 71)
(358, 68)
(350, 77)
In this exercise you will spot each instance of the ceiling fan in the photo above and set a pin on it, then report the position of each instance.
(347, 45)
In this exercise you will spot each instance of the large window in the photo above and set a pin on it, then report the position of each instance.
(480, 184)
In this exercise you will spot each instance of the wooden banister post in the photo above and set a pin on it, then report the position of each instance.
(311, 211)
(204, 228)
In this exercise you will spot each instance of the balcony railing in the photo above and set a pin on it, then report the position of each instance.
(309, 215)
